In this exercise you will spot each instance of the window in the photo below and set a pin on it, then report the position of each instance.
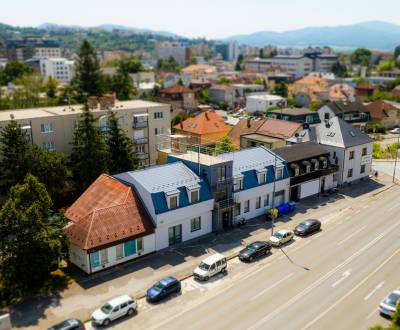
(258, 202)
(364, 152)
(362, 169)
(194, 196)
(326, 115)
(139, 244)
(351, 155)
(49, 145)
(350, 173)
(195, 224)
(266, 199)
(119, 251)
(247, 206)
(237, 209)
(334, 154)
(173, 202)
(308, 168)
(262, 178)
(158, 131)
(140, 149)
(158, 115)
(130, 247)
(95, 259)
(325, 165)
(316, 166)
(175, 234)
(221, 173)
(104, 256)
(279, 173)
(46, 128)
(297, 171)
(238, 184)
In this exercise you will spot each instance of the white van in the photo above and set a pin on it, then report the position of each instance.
(210, 266)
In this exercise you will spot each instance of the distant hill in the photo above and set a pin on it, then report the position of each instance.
(373, 34)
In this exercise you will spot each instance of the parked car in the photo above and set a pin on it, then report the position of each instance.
(395, 131)
(389, 304)
(163, 289)
(70, 324)
(307, 227)
(114, 309)
(210, 266)
(281, 237)
(255, 250)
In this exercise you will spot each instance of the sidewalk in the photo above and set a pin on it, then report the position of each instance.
(133, 278)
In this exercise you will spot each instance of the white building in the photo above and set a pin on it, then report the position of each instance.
(260, 102)
(253, 175)
(348, 147)
(177, 50)
(178, 201)
(59, 68)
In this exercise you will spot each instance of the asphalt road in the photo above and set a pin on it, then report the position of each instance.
(334, 279)
(387, 167)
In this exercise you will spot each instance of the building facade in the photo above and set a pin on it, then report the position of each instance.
(31, 47)
(261, 102)
(178, 51)
(60, 69)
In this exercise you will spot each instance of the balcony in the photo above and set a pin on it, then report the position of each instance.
(224, 204)
(303, 177)
(143, 140)
(140, 124)
(142, 155)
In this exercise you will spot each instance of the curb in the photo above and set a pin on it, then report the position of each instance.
(383, 190)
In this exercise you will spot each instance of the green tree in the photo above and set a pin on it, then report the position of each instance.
(89, 157)
(193, 60)
(168, 64)
(239, 63)
(88, 78)
(396, 53)
(281, 89)
(120, 148)
(51, 87)
(261, 53)
(316, 105)
(339, 69)
(122, 83)
(30, 241)
(14, 70)
(203, 96)
(27, 95)
(387, 66)
(132, 65)
(224, 145)
(361, 56)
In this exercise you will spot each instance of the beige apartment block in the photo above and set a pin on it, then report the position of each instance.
(52, 128)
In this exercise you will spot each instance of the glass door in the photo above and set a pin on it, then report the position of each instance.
(175, 234)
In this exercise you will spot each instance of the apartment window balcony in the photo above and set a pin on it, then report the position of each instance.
(143, 140)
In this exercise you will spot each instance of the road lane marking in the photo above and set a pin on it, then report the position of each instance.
(271, 287)
(374, 290)
(345, 275)
(257, 271)
(309, 324)
(372, 313)
(350, 236)
(305, 291)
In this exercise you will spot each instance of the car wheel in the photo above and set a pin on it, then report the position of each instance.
(106, 322)
(130, 312)
(251, 259)
(206, 278)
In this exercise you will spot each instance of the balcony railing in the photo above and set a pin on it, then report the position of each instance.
(140, 124)
(144, 140)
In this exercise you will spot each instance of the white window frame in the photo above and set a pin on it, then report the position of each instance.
(158, 115)
(238, 184)
(266, 200)
(258, 202)
(190, 195)
(169, 201)
(195, 224)
(46, 128)
(278, 173)
(262, 177)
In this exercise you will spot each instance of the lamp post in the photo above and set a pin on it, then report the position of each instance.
(395, 160)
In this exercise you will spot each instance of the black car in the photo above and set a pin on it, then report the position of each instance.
(307, 227)
(254, 250)
(68, 325)
(163, 289)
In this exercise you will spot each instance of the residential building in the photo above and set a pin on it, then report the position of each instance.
(244, 90)
(309, 167)
(223, 94)
(385, 112)
(60, 69)
(254, 173)
(143, 77)
(206, 129)
(107, 226)
(352, 112)
(179, 51)
(297, 115)
(32, 47)
(228, 51)
(309, 89)
(348, 147)
(261, 102)
(365, 90)
(179, 97)
(270, 133)
(178, 201)
(341, 93)
(200, 71)
(53, 127)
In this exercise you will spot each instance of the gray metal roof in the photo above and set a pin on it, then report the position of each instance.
(296, 152)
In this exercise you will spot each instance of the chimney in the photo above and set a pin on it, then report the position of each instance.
(206, 114)
(181, 123)
(248, 122)
(107, 102)
(93, 102)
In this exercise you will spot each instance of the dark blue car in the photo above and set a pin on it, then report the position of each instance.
(163, 289)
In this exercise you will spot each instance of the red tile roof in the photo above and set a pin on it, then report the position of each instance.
(107, 212)
(177, 89)
(280, 129)
(244, 126)
(379, 109)
(204, 123)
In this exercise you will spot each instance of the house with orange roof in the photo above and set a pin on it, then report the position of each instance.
(199, 71)
(108, 225)
(179, 97)
(309, 89)
(206, 128)
(341, 92)
(385, 112)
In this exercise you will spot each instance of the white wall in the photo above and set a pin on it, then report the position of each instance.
(183, 216)
(325, 109)
(79, 258)
(253, 193)
(355, 163)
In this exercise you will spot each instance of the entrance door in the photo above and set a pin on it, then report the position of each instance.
(175, 234)
(323, 185)
(294, 193)
(225, 219)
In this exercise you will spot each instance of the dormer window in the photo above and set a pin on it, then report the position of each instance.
(262, 177)
(325, 163)
(279, 173)
(238, 184)
(308, 168)
(194, 196)
(173, 202)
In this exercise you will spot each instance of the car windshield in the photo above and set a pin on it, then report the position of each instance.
(158, 286)
(278, 235)
(204, 266)
(106, 309)
(252, 247)
(393, 299)
(303, 224)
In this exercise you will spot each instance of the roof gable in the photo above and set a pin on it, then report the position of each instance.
(204, 123)
(299, 151)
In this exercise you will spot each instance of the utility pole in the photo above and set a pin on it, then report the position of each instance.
(395, 160)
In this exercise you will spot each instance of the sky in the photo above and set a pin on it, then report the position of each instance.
(204, 18)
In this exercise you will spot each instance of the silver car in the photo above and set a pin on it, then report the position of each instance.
(389, 304)
(281, 237)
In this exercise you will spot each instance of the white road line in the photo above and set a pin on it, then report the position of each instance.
(271, 287)
(350, 236)
(372, 313)
(304, 292)
(374, 290)
(257, 271)
(345, 275)
(309, 324)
